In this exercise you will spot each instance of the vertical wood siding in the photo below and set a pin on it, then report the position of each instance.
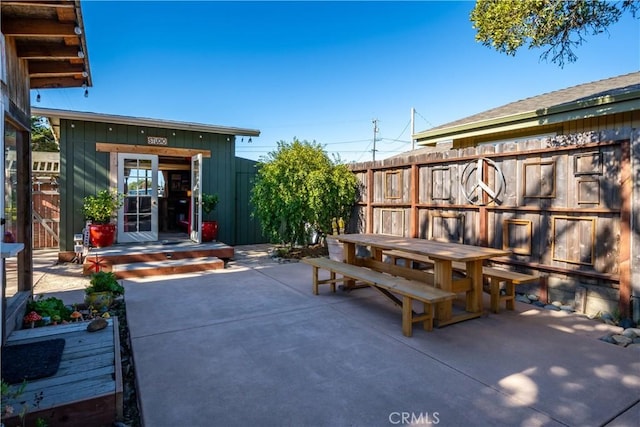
(85, 171)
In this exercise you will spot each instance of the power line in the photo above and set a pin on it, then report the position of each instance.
(428, 122)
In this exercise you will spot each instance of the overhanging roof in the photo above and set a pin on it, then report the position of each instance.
(49, 35)
(54, 114)
(603, 97)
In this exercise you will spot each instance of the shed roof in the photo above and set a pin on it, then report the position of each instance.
(608, 96)
(49, 36)
(55, 115)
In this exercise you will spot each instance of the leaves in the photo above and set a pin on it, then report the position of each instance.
(297, 188)
(507, 25)
(42, 138)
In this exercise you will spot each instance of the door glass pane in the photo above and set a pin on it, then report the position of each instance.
(144, 223)
(138, 190)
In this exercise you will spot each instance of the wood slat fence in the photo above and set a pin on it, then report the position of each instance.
(557, 203)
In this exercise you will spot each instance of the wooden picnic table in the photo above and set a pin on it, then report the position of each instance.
(443, 255)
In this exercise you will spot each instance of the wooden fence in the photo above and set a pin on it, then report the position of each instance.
(46, 199)
(557, 203)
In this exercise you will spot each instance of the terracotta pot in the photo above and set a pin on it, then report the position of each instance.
(102, 235)
(99, 300)
(209, 231)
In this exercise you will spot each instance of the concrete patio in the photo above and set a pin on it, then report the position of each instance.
(250, 345)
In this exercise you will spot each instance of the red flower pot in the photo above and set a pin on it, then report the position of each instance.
(209, 231)
(102, 235)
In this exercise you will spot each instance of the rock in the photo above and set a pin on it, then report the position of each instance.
(634, 346)
(606, 316)
(631, 332)
(567, 308)
(552, 307)
(609, 322)
(533, 297)
(636, 340)
(523, 298)
(557, 304)
(608, 339)
(627, 323)
(622, 340)
(539, 304)
(97, 324)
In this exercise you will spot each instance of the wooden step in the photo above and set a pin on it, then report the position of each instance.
(173, 266)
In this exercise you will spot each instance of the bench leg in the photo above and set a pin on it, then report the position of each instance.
(511, 296)
(494, 283)
(428, 322)
(315, 280)
(333, 281)
(407, 316)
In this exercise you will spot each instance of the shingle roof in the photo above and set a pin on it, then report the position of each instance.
(580, 93)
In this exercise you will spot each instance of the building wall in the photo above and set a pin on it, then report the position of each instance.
(15, 107)
(248, 228)
(83, 171)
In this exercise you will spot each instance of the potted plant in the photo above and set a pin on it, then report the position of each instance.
(103, 288)
(209, 228)
(99, 209)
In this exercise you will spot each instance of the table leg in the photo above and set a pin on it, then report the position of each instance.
(350, 258)
(443, 276)
(474, 297)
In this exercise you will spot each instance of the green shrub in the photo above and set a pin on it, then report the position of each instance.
(299, 189)
(49, 307)
(104, 281)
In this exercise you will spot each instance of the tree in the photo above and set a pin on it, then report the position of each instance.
(507, 25)
(298, 188)
(42, 138)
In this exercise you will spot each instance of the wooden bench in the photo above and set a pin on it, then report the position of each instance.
(511, 278)
(388, 285)
(494, 275)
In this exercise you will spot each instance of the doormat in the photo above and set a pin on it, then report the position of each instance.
(31, 361)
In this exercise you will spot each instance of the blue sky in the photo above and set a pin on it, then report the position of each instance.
(316, 70)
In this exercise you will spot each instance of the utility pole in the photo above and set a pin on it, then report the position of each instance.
(375, 137)
(413, 127)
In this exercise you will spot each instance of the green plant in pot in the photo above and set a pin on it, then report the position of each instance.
(99, 209)
(209, 227)
(103, 288)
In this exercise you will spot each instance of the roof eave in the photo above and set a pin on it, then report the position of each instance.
(141, 121)
(594, 107)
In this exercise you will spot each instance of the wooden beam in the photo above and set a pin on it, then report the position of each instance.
(104, 147)
(46, 51)
(624, 260)
(35, 3)
(55, 82)
(414, 226)
(37, 28)
(370, 194)
(37, 67)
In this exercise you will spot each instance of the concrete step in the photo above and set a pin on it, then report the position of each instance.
(170, 266)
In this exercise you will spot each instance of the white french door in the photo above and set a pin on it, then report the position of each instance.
(195, 233)
(138, 182)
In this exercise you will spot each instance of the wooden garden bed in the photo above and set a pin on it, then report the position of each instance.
(87, 389)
